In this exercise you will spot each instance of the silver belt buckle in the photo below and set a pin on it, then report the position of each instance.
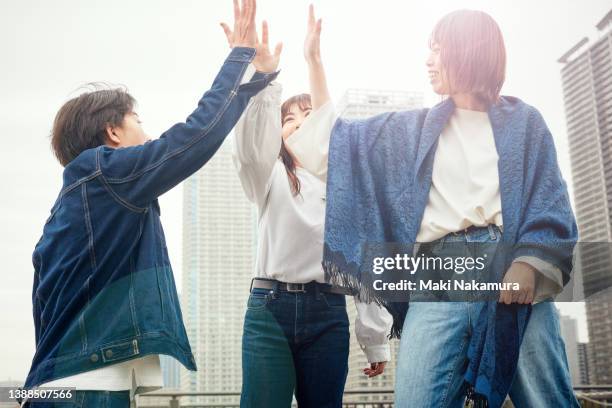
(296, 287)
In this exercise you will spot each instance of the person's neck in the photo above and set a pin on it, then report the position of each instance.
(468, 101)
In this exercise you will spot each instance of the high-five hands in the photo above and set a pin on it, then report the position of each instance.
(245, 35)
(312, 44)
(319, 93)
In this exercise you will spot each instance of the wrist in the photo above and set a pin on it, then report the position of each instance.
(251, 47)
(241, 54)
(526, 266)
(265, 70)
(314, 60)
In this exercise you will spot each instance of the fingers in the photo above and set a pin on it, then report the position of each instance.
(228, 33)
(248, 12)
(523, 296)
(264, 33)
(505, 297)
(318, 28)
(311, 17)
(526, 296)
(253, 12)
(236, 12)
(278, 49)
(375, 369)
(245, 31)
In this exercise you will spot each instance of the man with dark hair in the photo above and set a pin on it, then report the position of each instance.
(104, 299)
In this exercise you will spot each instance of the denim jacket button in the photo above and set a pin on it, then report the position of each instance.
(94, 358)
(108, 353)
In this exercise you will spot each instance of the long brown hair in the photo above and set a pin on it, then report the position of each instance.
(472, 52)
(303, 101)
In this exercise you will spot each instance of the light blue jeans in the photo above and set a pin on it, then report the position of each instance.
(433, 353)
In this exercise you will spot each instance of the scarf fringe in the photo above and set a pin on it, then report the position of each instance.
(337, 276)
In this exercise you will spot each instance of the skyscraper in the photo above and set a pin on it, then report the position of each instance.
(587, 88)
(218, 256)
(170, 371)
(583, 362)
(569, 332)
(355, 104)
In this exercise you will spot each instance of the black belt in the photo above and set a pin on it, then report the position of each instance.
(472, 228)
(262, 283)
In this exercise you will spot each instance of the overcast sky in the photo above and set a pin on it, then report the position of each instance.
(168, 52)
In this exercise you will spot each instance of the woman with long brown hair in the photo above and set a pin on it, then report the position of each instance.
(296, 329)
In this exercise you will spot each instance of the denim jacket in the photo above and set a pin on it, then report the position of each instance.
(103, 290)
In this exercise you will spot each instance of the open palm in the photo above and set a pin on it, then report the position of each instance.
(312, 43)
(265, 60)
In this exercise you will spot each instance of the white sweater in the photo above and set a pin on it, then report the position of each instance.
(290, 242)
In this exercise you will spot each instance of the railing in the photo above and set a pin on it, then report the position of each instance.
(594, 396)
(590, 396)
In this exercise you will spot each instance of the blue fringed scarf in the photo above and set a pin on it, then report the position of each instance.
(378, 184)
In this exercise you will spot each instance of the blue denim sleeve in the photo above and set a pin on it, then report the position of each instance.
(137, 175)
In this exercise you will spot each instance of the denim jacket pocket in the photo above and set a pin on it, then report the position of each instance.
(120, 351)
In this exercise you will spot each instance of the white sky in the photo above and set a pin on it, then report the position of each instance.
(168, 52)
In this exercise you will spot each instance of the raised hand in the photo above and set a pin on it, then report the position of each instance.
(312, 44)
(244, 33)
(319, 94)
(264, 60)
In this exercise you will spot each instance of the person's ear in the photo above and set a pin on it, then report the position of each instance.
(112, 133)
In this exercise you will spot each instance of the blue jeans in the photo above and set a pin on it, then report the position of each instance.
(294, 342)
(433, 349)
(90, 399)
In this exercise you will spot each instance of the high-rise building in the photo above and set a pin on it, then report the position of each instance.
(219, 241)
(171, 372)
(569, 332)
(583, 363)
(356, 104)
(587, 88)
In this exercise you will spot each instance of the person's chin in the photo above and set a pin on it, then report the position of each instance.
(438, 90)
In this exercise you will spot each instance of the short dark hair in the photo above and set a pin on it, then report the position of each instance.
(472, 52)
(81, 123)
